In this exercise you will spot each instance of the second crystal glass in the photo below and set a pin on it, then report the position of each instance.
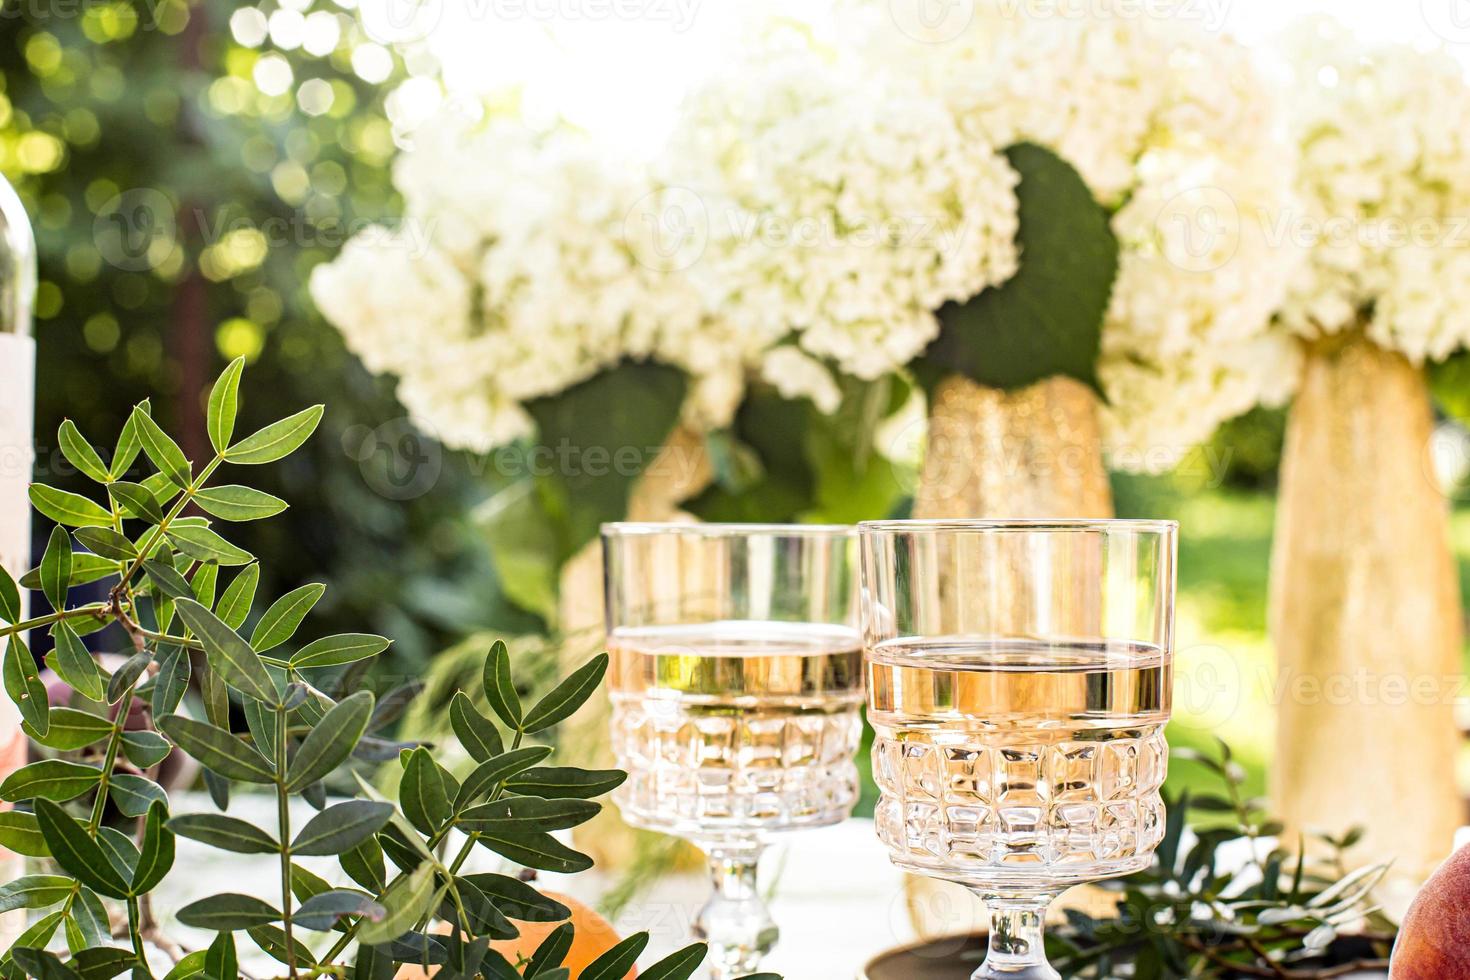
(736, 682)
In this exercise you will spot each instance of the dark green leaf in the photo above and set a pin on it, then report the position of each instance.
(79, 453)
(189, 965)
(217, 749)
(107, 543)
(552, 951)
(424, 792)
(489, 774)
(374, 963)
(70, 509)
(679, 966)
(229, 654)
(234, 605)
(9, 598)
(224, 402)
(316, 795)
(157, 855)
(85, 569)
(344, 649)
(562, 782)
(478, 734)
(616, 962)
(74, 664)
(405, 902)
(484, 919)
(364, 865)
(341, 827)
(324, 911)
(136, 500)
(56, 568)
(518, 900)
(202, 544)
(536, 850)
(391, 706)
(42, 965)
(272, 940)
(167, 578)
(330, 743)
(102, 962)
(50, 779)
(261, 720)
(221, 961)
(225, 833)
(1047, 319)
(495, 967)
(218, 787)
(162, 450)
(35, 892)
(71, 729)
(277, 440)
(500, 690)
(418, 948)
(171, 681)
(520, 814)
(19, 833)
(227, 913)
(145, 749)
(239, 504)
(306, 885)
(120, 850)
(78, 853)
(23, 684)
(133, 795)
(126, 676)
(564, 699)
(281, 620)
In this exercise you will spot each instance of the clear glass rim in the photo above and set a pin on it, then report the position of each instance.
(621, 529)
(1139, 525)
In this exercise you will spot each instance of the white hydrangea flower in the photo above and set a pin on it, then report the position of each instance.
(841, 207)
(797, 375)
(1174, 129)
(1385, 178)
(514, 278)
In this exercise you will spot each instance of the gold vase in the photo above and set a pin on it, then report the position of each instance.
(1032, 453)
(1365, 613)
(681, 470)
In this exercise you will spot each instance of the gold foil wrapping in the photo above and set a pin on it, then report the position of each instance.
(1365, 613)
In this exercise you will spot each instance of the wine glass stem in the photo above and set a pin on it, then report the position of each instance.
(1017, 944)
(735, 922)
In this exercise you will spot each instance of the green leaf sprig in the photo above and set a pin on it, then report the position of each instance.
(181, 594)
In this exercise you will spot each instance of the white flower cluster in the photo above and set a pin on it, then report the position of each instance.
(513, 276)
(1385, 180)
(843, 208)
(1175, 129)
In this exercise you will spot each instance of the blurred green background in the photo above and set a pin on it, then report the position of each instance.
(187, 163)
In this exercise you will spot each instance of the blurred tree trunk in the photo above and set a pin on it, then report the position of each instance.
(1032, 453)
(681, 471)
(1365, 613)
(191, 336)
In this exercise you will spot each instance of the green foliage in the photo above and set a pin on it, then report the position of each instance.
(1047, 319)
(161, 594)
(1189, 915)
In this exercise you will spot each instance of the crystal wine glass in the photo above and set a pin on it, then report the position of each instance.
(1019, 681)
(736, 682)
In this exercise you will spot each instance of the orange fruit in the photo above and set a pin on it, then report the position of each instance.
(592, 937)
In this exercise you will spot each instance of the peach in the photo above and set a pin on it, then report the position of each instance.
(1434, 940)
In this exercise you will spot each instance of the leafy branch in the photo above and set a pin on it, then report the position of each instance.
(271, 713)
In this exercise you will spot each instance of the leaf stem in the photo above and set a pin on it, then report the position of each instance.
(135, 929)
(92, 609)
(283, 816)
(114, 743)
(161, 528)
